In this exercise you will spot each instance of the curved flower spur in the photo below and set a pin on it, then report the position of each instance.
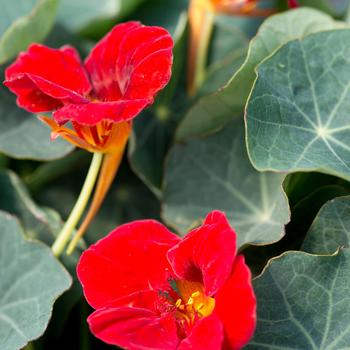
(152, 290)
(94, 102)
(201, 15)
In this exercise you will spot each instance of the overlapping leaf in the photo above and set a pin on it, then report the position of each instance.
(335, 8)
(23, 22)
(214, 110)
(153, 132)
(229, 46)
(304, 303)
(78, 14)
(129, 199)
(165, 13)
(299, 111)
(330, 229)
(41, 223)
(305, 211)
(153, 129)
(31, 280)
(37, 222)
(23, 136)
(148, 147)
(215, 173)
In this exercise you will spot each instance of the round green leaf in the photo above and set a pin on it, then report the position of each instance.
(299, 111)
(31, 280)
(304, 303)
(215, 173)
(214, 110)
(23, 22)
(330, 229)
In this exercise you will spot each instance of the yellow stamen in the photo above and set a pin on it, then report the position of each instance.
(194, 303)
(178, 303)
(196, 294)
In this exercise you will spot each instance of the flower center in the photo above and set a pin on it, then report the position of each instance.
(192, 303)
(105, 136)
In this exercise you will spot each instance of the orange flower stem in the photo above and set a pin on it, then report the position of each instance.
(201, 25)
(79, 207)
(251, 13)
(108, 171)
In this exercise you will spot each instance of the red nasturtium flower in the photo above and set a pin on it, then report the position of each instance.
(99, 97)
(152, 290)
(94, 102)
(293, 3)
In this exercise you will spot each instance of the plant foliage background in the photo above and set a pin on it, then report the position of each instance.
(266, 139)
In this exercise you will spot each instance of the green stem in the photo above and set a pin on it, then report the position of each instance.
(64, 236)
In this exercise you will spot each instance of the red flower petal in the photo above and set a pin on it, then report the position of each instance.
(43, 78)
(293, 3)
(93, 112)
(101, 62)
(131, 258)
(217, 217)
(132, 62)
(56, 91)
(147, 61)
(144, 299)
(134, 328)
(30, 97)
(207, 334)
(236, 306)
(206, 254)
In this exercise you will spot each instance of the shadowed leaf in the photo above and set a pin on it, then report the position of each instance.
(212, 111)
(215, 173)
(330, 229)
(23, 136)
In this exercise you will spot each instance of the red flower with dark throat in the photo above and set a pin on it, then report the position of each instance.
(118, 79)
(152, 290)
